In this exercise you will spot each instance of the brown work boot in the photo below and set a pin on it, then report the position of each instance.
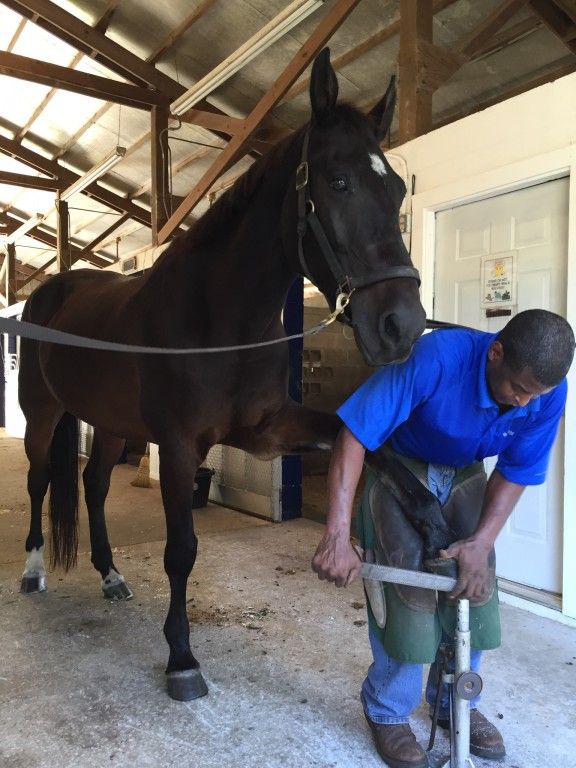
(485, 739)
(397, 745)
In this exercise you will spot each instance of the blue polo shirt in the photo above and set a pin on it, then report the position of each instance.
(436, 407)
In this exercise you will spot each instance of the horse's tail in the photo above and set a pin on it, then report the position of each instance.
(64, 493)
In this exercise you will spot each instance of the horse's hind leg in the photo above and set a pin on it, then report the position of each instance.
(38, 437)
(106, 450)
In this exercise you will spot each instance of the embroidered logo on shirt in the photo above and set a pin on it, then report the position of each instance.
(508, 433)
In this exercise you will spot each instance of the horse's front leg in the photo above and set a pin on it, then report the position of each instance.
(296, 429)
(178, 463)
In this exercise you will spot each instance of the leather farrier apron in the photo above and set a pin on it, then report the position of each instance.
(394, 525)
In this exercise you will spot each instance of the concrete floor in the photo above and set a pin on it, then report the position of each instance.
(81, 680)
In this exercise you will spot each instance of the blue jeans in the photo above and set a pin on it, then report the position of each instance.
(392, 688)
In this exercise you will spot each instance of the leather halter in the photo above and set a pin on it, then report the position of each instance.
(346, 284)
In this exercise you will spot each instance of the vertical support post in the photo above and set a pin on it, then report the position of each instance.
(10, 275)
(63, 252)
(159, 155)
(415, 101)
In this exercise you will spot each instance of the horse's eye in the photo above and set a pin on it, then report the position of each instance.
(339, 184)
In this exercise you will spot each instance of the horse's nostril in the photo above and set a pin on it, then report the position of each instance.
(389, 327)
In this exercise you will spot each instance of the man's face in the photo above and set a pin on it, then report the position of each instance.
(508, 387)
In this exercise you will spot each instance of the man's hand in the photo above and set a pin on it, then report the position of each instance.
(473, 575)
(336, 560)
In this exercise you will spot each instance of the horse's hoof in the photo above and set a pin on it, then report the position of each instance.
(115, 587)
(186, 685)
(32, 582)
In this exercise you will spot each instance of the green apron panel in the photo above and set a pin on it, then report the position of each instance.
(414, 635)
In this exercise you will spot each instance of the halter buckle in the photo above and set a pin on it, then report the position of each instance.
(302, 176)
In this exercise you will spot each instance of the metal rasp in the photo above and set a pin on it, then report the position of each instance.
(422, 579)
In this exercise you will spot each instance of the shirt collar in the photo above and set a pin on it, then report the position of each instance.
(484, 398)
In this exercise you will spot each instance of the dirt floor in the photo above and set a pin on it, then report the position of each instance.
(82, 683)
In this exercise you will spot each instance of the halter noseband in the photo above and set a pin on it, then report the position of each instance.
(346, 284)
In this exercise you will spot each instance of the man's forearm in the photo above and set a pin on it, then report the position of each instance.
(343, 478)
(500, 498)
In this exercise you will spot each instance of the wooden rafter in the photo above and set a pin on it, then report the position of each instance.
(43, 72)
(547, 74)
(425, 66)
(358, 51)
(557, 20)
(50, 167)
(325, 29)
(101, 25)
(180, 30)
(483, 32)
(29, 181)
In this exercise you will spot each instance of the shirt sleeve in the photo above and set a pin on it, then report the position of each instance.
(389, 396)
(526, 460)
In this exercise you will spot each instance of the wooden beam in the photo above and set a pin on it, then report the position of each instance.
(29, 181)
(103, 235)
(568, 7)
(547, 74)
(483, 32)
(415, 102)
(10, 275)
(325, 29)
(556, 20)
(359, 50)
(53, 75)
(508, 36)
(51, 168)
(35, 275)
(213, 121)
(180, 30)
(49, 240)
(160, 171)
(90, 41)
(63, 252)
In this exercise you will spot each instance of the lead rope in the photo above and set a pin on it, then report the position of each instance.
(36, 332)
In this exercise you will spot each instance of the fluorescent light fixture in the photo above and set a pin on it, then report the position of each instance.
(26, 227)
(94, 173)
(292, 15)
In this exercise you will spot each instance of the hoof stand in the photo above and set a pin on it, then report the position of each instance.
(186, 685)
(34, 582)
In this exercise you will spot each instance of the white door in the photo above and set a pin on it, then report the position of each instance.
(532, 224)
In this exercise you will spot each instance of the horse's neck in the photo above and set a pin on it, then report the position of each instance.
(234, 256)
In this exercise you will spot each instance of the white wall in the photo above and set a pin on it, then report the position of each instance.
(526, 139)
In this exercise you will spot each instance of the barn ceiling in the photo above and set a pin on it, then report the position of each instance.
(80, 77)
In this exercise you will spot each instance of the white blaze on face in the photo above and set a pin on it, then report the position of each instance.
(378, 164)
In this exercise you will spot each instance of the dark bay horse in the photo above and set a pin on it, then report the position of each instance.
(324, 202)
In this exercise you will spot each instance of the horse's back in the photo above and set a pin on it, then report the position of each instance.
(99, 387)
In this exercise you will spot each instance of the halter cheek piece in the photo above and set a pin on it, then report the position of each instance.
(346, 284)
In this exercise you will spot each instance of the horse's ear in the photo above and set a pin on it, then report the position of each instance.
(323, 87)
(383, 112)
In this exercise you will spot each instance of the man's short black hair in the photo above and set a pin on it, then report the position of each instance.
(540, 340)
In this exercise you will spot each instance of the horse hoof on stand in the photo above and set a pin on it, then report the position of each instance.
(186, 685)
(32, 582)
(115, 587)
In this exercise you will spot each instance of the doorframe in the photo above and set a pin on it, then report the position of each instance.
(509, 178)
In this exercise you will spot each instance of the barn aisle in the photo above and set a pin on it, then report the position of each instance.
(81, 679)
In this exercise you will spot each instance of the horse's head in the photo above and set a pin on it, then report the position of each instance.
(349, 236)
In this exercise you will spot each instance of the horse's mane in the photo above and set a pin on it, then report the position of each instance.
(234, 201)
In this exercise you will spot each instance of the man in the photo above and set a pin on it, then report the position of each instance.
(462, 396)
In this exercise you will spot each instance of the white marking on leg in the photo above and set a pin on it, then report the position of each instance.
(112, 579)
(377, 164)
(35, 563)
